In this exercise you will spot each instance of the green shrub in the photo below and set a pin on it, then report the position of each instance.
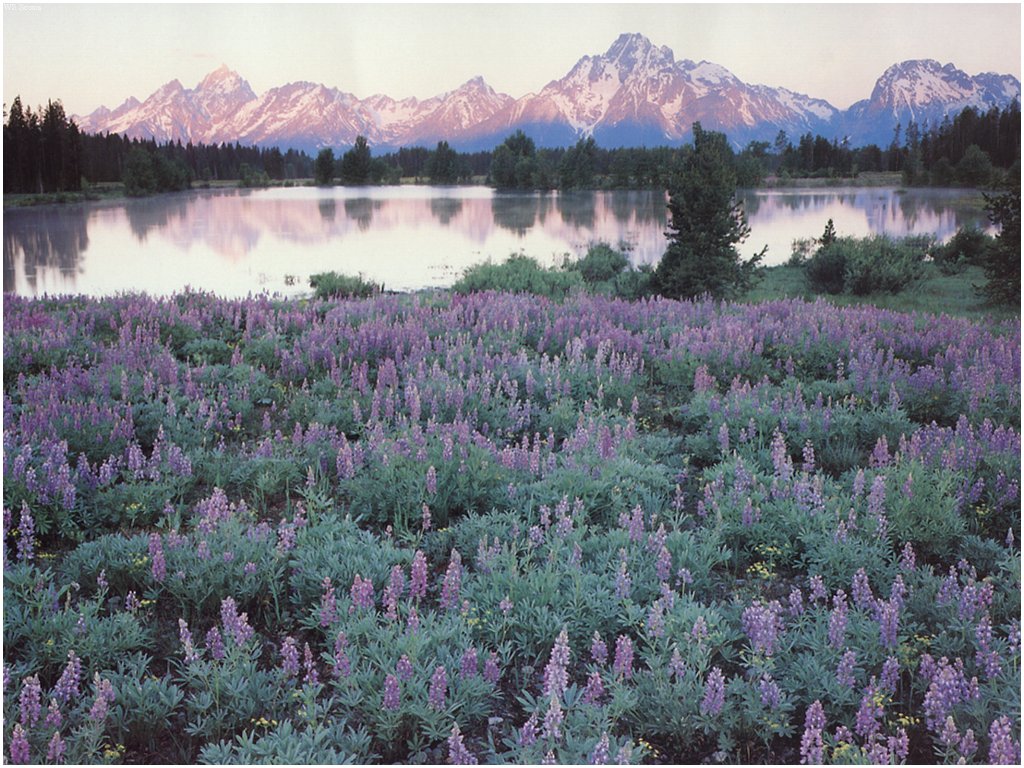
(878, 264)
(332, 285)
(602, 263)
(968, 246)
(519, 274)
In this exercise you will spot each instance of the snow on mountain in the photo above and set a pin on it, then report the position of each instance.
(923, 91)
(634, 93)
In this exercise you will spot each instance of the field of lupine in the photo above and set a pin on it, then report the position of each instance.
(502, 529)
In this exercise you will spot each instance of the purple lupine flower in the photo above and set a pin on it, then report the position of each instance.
(30, 702)
(948, 687)
(215, 643)
(552, 730)
(392, 693)
(714, 693)
(663, 565)
(404, 669)
(888, 623)
(66, 688)
(19, 746)
(818, 591)
(700, 630)
(393, 591)
(812, 748)
(986, 658)
(862, 595)
(53, 715)
(104, 698)
(599, 755)
(468, 664)
(968, 745)
(505, 605)
(556, 676)
(55, 749)
(131, 602)
(950, 736)
(908, 560)
(308, 662)
(623, 582)
(623, 664)
(723, 439)
(236, 624)
(527, 736)
(328, 603)
(770, 693)
(845, 671)
(26, 535)
(457, 752)
(289, 657)
(156, 554)
(656, 619)
(868, 715)
(438, 689)
(452, 583)
(549, 758)
(361, 593)
(594, 691)
(598, 650)
(1003, 749)
(796, 602)
(186, 641)
(418, 577)
(890, 675)
(492, 672)
(342, 667)
(676, 665)
(762, 623)
(431, 481)
(837, 620)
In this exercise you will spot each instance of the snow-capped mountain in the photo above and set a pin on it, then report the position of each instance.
(923, 91)
(635, 93)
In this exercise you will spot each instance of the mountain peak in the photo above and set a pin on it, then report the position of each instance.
(629, 49)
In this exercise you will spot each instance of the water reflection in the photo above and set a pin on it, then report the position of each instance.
(38, 257)
(235, 242)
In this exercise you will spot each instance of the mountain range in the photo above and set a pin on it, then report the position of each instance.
(634, 94)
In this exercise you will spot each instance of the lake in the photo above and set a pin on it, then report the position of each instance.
(236, 242)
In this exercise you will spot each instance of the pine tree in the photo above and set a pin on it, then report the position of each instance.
(706, 224)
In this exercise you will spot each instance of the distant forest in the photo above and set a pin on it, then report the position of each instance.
(44, 151)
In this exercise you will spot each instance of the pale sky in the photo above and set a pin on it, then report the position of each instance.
(91, 54)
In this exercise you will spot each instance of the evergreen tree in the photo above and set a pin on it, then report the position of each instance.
(323, 169)
(442, 166)
(355, 164)
(1001, 262)
(706, 224)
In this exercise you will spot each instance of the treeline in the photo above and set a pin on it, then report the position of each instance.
(42, 150)
(970, 149)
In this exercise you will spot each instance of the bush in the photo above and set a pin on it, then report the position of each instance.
(332, 285)
(602, 263)
(968, 246)
(520, 274)
(878, 264)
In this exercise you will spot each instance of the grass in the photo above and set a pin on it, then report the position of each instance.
(935, 293)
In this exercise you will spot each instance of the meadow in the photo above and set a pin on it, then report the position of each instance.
(504, 528)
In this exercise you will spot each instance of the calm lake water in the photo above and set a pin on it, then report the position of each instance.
(236, 242)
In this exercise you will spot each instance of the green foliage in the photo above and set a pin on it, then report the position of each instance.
(147, 172)
(323, 167)
(518, 274)
(706, 225)
(334, 285)
(1002, 261)
(443, 166)
(969, 245)
(864, 266)
(356, 163)
(601, 264)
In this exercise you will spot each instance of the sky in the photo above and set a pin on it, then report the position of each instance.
(88, 54)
